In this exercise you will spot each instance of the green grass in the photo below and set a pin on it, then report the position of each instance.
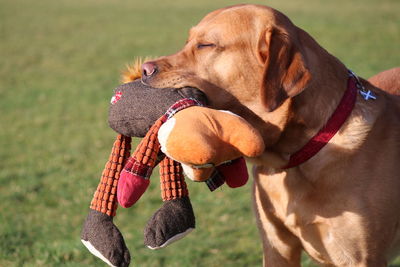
(59, 61)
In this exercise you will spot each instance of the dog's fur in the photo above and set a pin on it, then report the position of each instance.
(341, 206)
(388, 80)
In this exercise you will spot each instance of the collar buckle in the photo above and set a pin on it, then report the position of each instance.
(366, 94)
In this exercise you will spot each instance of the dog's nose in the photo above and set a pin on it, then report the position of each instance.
(149, 68)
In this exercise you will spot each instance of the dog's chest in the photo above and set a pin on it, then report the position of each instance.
(314, 220)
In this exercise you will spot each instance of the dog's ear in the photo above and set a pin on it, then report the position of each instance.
(285, 70)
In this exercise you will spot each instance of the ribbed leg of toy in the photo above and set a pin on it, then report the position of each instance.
(172, 180)
(175, 219)
(99, 234)
(104, 199)
(146, 152)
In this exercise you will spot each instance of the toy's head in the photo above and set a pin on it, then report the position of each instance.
(135, 107)
(202, 138)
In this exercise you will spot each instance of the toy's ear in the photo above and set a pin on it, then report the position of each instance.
(285, 69)
(199, 136)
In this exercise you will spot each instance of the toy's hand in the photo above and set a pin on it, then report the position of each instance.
(201, 138)
(103, 239)
(173, 221)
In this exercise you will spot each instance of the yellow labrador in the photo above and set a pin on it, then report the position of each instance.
(341, 203)
(388, 80)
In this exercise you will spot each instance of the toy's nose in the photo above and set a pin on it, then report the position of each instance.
(148, 69)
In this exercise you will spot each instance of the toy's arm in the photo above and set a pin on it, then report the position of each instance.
(139, 167)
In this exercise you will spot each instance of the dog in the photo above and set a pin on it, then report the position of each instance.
(328, 182)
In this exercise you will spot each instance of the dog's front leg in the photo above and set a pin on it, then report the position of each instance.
(281, 247)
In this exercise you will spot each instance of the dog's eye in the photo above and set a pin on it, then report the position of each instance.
(200, 46)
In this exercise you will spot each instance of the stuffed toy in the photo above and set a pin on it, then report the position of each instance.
(198, 137)
(134, 109)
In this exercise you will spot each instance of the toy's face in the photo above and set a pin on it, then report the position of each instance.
(135, 107)
(201, 139)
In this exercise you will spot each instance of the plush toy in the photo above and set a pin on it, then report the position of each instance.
(134, 109)
(199, 137)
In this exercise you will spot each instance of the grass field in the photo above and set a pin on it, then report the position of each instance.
(59, 61)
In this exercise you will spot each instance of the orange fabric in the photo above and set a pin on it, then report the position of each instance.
(104, 199)
(202, 135)
(146, 153)
(172, 180)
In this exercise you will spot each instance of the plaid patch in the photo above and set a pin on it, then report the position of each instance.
(215, 181)
(180, 105)
(116, 97)
(138, 169)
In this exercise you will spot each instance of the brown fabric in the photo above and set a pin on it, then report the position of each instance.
(174, 220)
(140, 105)
(102, 234)
(104, 199)
(172, 180)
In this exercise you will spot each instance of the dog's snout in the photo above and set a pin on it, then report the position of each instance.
(149, 69)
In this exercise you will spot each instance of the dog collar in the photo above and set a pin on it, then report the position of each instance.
(334, 123)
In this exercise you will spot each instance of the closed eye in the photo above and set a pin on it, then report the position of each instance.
(200, 46)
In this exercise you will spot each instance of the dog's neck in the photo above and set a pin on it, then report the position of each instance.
(310, 110)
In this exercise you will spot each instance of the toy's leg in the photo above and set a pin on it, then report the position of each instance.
(175, 219)
(135, 177)
(99, 234)
(172, 180)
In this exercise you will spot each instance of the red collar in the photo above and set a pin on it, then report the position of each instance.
(333, 125)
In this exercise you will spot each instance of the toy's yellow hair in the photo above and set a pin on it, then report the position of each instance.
(133, 70)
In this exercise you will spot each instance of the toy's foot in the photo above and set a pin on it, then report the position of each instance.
(103, 239)
(173, 221)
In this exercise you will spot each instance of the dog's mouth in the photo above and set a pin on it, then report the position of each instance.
(186, 90)
(193, 92)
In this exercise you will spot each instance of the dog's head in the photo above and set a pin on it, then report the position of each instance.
(246, 58)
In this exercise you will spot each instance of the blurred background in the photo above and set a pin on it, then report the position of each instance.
(60, 60)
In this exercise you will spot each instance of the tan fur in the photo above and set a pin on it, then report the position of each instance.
(341, 206)
(388, 80)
